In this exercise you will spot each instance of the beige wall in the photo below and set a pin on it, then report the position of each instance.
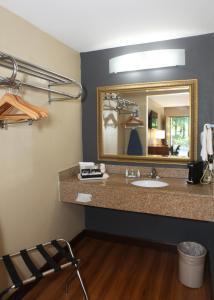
(31, 156)
(176, 111)
(152, 105)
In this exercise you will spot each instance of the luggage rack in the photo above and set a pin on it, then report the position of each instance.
(17, 282)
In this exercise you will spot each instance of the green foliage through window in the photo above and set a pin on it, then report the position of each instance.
(179, 131)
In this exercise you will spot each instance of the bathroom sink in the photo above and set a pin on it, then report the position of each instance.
(150, 183)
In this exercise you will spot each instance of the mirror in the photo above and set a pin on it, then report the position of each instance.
(148, 122)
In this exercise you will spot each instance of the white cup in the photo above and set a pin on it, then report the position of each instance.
(102, 168)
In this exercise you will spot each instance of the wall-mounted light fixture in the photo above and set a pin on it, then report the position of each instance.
(147, 60)
(157, 137)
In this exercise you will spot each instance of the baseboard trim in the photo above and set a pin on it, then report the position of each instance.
(130, 240)
(77, 238)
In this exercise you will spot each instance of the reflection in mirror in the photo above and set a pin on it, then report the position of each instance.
(152, 122)
(168, 124)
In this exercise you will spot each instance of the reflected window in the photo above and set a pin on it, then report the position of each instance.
(179, 135)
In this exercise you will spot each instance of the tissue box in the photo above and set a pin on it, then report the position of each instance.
(91, 173)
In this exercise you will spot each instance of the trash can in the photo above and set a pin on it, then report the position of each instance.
(191, 263)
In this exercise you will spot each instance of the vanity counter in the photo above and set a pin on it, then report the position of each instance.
(179, 199)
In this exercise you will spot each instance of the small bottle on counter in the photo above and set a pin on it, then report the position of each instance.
(102, 168)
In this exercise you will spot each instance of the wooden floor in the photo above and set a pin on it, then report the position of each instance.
(116, 271)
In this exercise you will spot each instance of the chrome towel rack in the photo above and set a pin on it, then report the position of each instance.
(53, 79)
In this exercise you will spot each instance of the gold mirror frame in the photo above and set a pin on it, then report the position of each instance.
(193, 88)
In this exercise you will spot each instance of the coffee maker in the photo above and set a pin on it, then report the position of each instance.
(195, 172)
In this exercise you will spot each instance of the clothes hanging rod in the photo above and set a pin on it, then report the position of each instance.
(4, 123)
(33, 86)
(22, 63)
(18, 65)
(24, 70)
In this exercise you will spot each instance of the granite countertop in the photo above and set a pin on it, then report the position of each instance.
(179, 199)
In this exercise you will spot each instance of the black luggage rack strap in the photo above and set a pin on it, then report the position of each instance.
(36, 273)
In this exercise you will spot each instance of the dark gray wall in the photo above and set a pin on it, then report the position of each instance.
(200, 65)
(95, 72)
(150, 227)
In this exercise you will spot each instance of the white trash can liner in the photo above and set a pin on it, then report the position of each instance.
(191, 263)
(192, 248)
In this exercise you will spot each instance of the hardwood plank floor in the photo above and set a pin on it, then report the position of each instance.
(116, 271)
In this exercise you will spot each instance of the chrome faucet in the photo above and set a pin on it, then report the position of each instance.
(132, 173)
(154, 173)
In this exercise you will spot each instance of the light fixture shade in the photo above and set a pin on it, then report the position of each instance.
(147, 60)
(160, 134)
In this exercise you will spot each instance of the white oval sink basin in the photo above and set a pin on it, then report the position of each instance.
(150, 183)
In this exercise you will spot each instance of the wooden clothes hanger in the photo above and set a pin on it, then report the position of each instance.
(18, 117)
(10, 102)
(4, 108)
(133, 121)
(43, 113)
